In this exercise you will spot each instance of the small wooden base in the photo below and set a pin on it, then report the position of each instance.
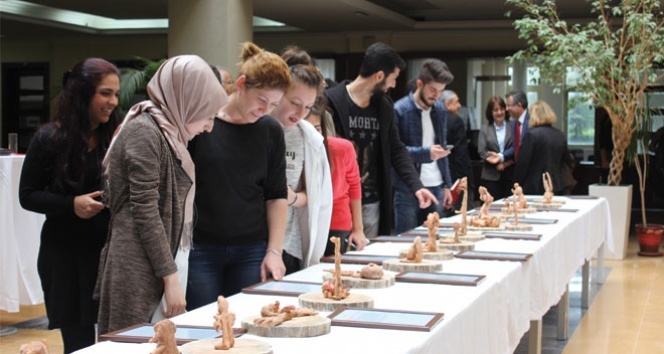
(553, 201)
(299, 327)
(449, 244)
(528, 210)
(318, 302)
(544, 206)
(468, 237)
(359, 283)
(518, 227)
(426, 266)
(242, 346)
(479, 228)
(440, 255)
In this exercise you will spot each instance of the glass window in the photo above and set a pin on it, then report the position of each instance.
(580, 112)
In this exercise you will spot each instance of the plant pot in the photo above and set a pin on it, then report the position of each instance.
(620, 202)
(650, 238)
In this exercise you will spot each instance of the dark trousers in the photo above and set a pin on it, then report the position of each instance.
(343, 235)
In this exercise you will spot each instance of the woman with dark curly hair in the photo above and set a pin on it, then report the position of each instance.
(61, 178)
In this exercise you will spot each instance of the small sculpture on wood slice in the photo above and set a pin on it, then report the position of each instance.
(34, 347)
(433, 222)
(484, 219)
(548, 188)
(272, 315)
(370, 271)
(164, 336)
(223, 321)
(334, 289)
(463, 185)
(514, 225)
(519, 197)
(414, 254)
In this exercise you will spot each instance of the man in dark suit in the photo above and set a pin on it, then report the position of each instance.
(517, 107)
(459, 159)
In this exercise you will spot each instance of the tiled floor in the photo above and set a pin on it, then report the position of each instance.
(625, 316)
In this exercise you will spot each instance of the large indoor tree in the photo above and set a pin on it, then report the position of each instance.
(614, 53)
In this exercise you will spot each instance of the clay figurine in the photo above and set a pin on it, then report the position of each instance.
(518, 193)
(457, 227)
(414, 254)
(272, 316)
(223, 321)
(463, 185)
(34, 347)
(164, 336)
(484, 219)
(433, 221)
(548, 187)
(334, 290)
(371, 271)
(516, 205)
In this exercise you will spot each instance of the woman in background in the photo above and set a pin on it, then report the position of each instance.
(543, 149)
(150, 192)
(346, 222)
(307, 169)
(61, 178)
(496, 136)
(241, 185)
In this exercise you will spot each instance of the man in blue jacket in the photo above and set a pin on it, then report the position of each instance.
(422, 124)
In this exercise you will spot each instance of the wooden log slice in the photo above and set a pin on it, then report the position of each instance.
(468, 237)
(299, 327)
(440, 255)
(528, 210)
(544, 206)
(318, 302)
(518, 227)
(448, 243)
(426, 266)
(359, 283)
(242, 346)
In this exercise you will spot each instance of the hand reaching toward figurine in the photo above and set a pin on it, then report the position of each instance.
(85, 205)
(447, 198)
(425, 198)
(358, 239)
(273, 264)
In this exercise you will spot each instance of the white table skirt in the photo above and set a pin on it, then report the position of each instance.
(19, 242)
(489, 318)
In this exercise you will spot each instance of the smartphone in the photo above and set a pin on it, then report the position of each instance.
(449, 147)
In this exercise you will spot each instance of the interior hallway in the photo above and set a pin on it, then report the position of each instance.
(626, 316)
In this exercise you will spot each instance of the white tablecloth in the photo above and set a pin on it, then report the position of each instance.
(489, 318)
(19, 242)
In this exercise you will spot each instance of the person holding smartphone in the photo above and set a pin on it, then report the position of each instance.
(421, 121)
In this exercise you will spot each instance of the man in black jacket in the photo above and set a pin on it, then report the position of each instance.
(363, 114)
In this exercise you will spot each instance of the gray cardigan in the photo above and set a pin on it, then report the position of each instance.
(488, 141)
(146, 192)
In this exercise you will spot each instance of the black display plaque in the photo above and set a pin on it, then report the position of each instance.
(142, 333)
(385, 319)
(494, 256)
(541, 221)
(440, 278)
(283, 288)
(512, 235)
(357, 259)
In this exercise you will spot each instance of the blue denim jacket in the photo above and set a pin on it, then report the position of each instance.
(408, 121)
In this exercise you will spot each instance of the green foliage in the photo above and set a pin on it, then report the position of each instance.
(134, 81)
(613, 55)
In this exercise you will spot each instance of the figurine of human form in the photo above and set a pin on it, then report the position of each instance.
(433, 221)
(335, 290)
(223, 321)
(548, 187)
(516, 193)
(463, 185)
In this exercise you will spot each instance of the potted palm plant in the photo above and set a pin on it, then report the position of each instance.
(133, 82)
(614, 54)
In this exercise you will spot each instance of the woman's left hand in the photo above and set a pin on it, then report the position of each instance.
(273, 264)
(358, 239)
(85, 205)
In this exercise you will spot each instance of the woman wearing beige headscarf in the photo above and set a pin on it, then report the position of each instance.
(149, 190)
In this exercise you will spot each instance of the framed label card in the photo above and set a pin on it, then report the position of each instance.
(535, 221)
(494, 256)
(581, 197)
(357, 259)
(385, 319)
(406, 239)
(440, 278)
(283, 288)
(142, 333)
(513, 235)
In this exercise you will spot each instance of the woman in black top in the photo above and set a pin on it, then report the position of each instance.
(61, 178)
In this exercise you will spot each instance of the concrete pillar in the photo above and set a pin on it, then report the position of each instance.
(211, 29)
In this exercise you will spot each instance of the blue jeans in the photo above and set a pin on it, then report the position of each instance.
(222, 270)
(407, 212)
